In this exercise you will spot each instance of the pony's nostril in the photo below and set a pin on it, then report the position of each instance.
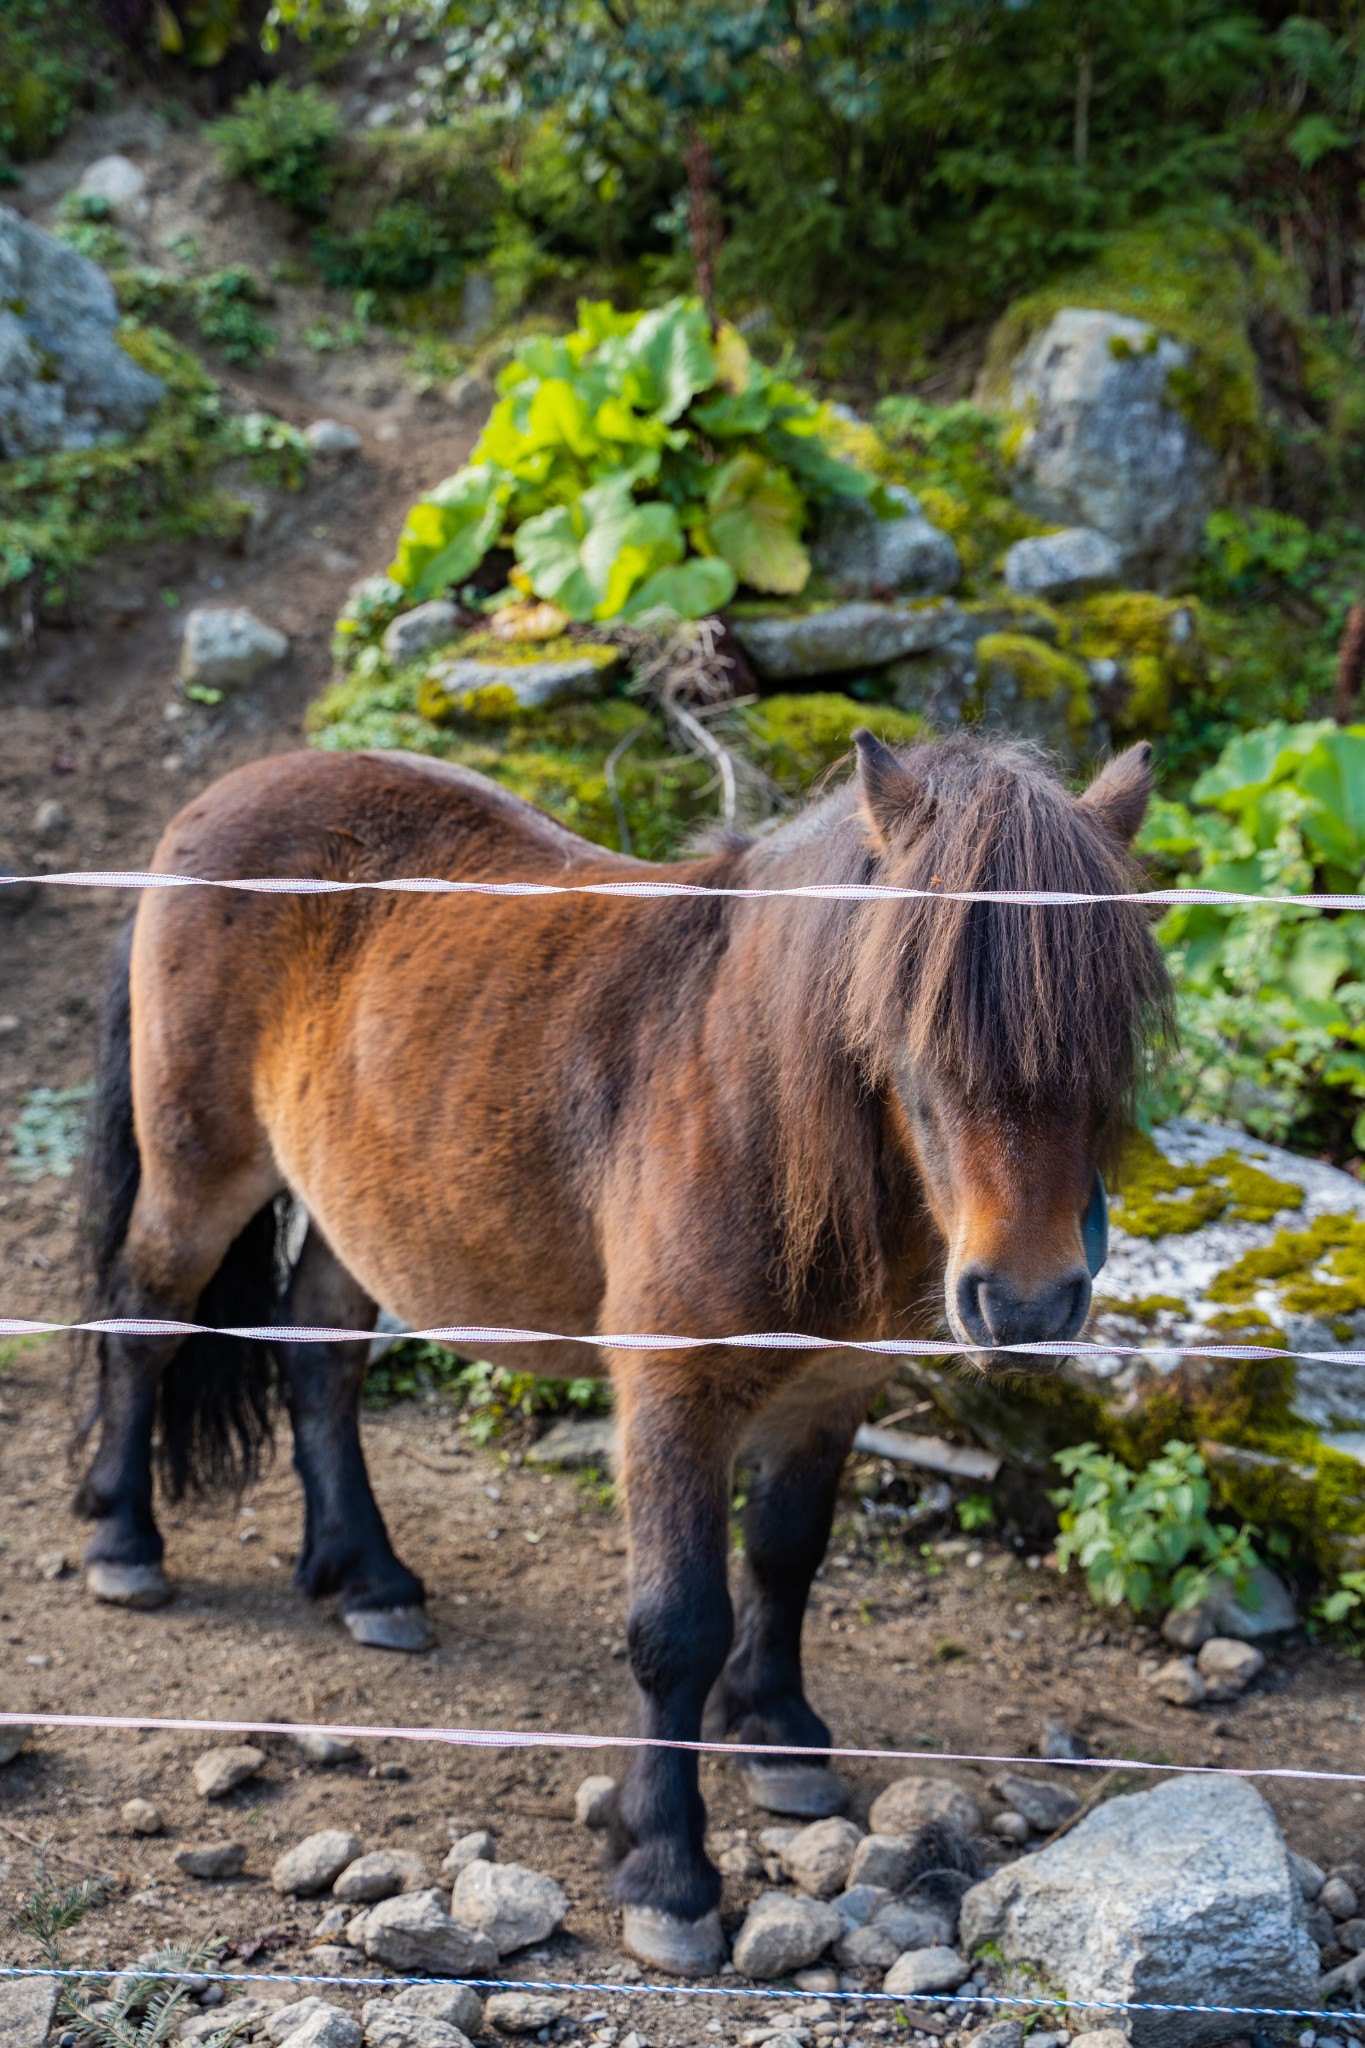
(970, 1306)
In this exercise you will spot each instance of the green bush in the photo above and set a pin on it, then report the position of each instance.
(1272, 1002)
(281, 137)
(403, 249)
(1144, 1539)
(223, 307)
(633, 464)
(52, 54)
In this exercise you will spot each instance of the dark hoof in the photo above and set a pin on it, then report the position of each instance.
(804, 1791)
(127, 1585)
(391, 1628)
(682, 1948)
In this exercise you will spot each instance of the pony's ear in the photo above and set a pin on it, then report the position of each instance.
(892, 797)
(1120, 793)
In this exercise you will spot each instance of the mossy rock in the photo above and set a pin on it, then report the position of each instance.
(1025, 686)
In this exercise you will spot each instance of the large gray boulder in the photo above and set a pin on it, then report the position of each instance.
(1184, 1895)
(64, 380)
(866, 555)
(1062, 565)
(787, 647)
(1104, 444)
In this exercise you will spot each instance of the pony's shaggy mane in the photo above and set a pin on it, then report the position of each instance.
(1023, 1011)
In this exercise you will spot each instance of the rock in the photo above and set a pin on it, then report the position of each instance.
(53, 1564)
(456, 2005)
(914, 1924)
(927, 1969)
(418, 631)
(220, 1771)
(324, 1749)
(1321, 1927)
(140, 1817)
(1100, 2037)
(1179, 1683)
(225, 648)
(389, 2026)
(1157, 1896)
(13, 1739)
(328, 2027)
(881, 1860)
(866, 1948)
(594, 1802)
(1104, 446)
(477, 1847)
(1058, 566)
(332, 438)
(313, 1864)
(535, 685)
(1010, 1827)
(50, 821)
(333, 1923)
(1061, 1744)
(741, 1859)
(1266, 1608)
(856, 1906)
(1350, 1934)
(1188, 1628)
(470, 397)
(818, 1857)
(574, 1442)
(816, 1980)
(512, 1905)
(1227, 1667)
(1044, 1803)
(908, 1802)
(211, 1859)
(355, 1930)
(866, 556)
(1339, 1899)
(64, 380)
(782, 1934)
(118, 181)
(790, 647)
(1010, 2034)
(286, 2018)
(1026, 687)
(1311, 1877)
(380, 1875)
(522, 2012)
(414, 1932)
(246, 2015)
(26, 2009)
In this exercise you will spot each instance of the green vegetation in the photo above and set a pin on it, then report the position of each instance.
(1144, 1539)
(725, 456)
(491, 1400)
(1272, 1002)
(49, 1133)
(54, 61)
(1159, 1199)
(282, 137)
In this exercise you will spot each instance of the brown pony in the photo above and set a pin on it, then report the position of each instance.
(696, 1116)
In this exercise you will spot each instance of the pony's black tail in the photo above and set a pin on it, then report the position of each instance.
(214, 1417)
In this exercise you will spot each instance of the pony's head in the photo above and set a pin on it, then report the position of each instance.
(1005, 1040)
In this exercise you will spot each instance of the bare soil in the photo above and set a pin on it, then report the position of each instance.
(965, 1651)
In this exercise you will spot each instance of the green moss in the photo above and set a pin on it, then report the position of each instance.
(798, 736)
(1334, 1242)
(1143, 1308)
(1160, 1199)
(1039, 672)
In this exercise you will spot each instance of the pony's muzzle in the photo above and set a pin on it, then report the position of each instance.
(992, 1310)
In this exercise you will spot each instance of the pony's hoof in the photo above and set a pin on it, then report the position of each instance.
(127, 1585)
(683, 1948)
(804, 1791)
(391, 1628)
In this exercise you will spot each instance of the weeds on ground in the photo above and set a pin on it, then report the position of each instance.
(490, 1398)
(1144, 1539)
(49, 1135)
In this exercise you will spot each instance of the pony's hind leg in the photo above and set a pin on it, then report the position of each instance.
(123, 1560)
(346, 1548)
(676, 1466)
(797, 1457)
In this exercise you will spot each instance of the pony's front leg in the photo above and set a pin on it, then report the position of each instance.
(676, 1454)
(798, 1452)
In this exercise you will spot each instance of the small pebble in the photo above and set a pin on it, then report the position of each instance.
(140, 1817)
(1339, 1899)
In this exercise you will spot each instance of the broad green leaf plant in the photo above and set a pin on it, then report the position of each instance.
(1144, 1540)
(640, 463)
(1272, 1003)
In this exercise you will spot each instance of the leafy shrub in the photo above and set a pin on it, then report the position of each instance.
(635, 463)
(51, 54)
(1272, 1003)
(402, 249)
(223, 307)
(86, 225)
(281, 137)
(1144, 1539)
(489, 1396)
